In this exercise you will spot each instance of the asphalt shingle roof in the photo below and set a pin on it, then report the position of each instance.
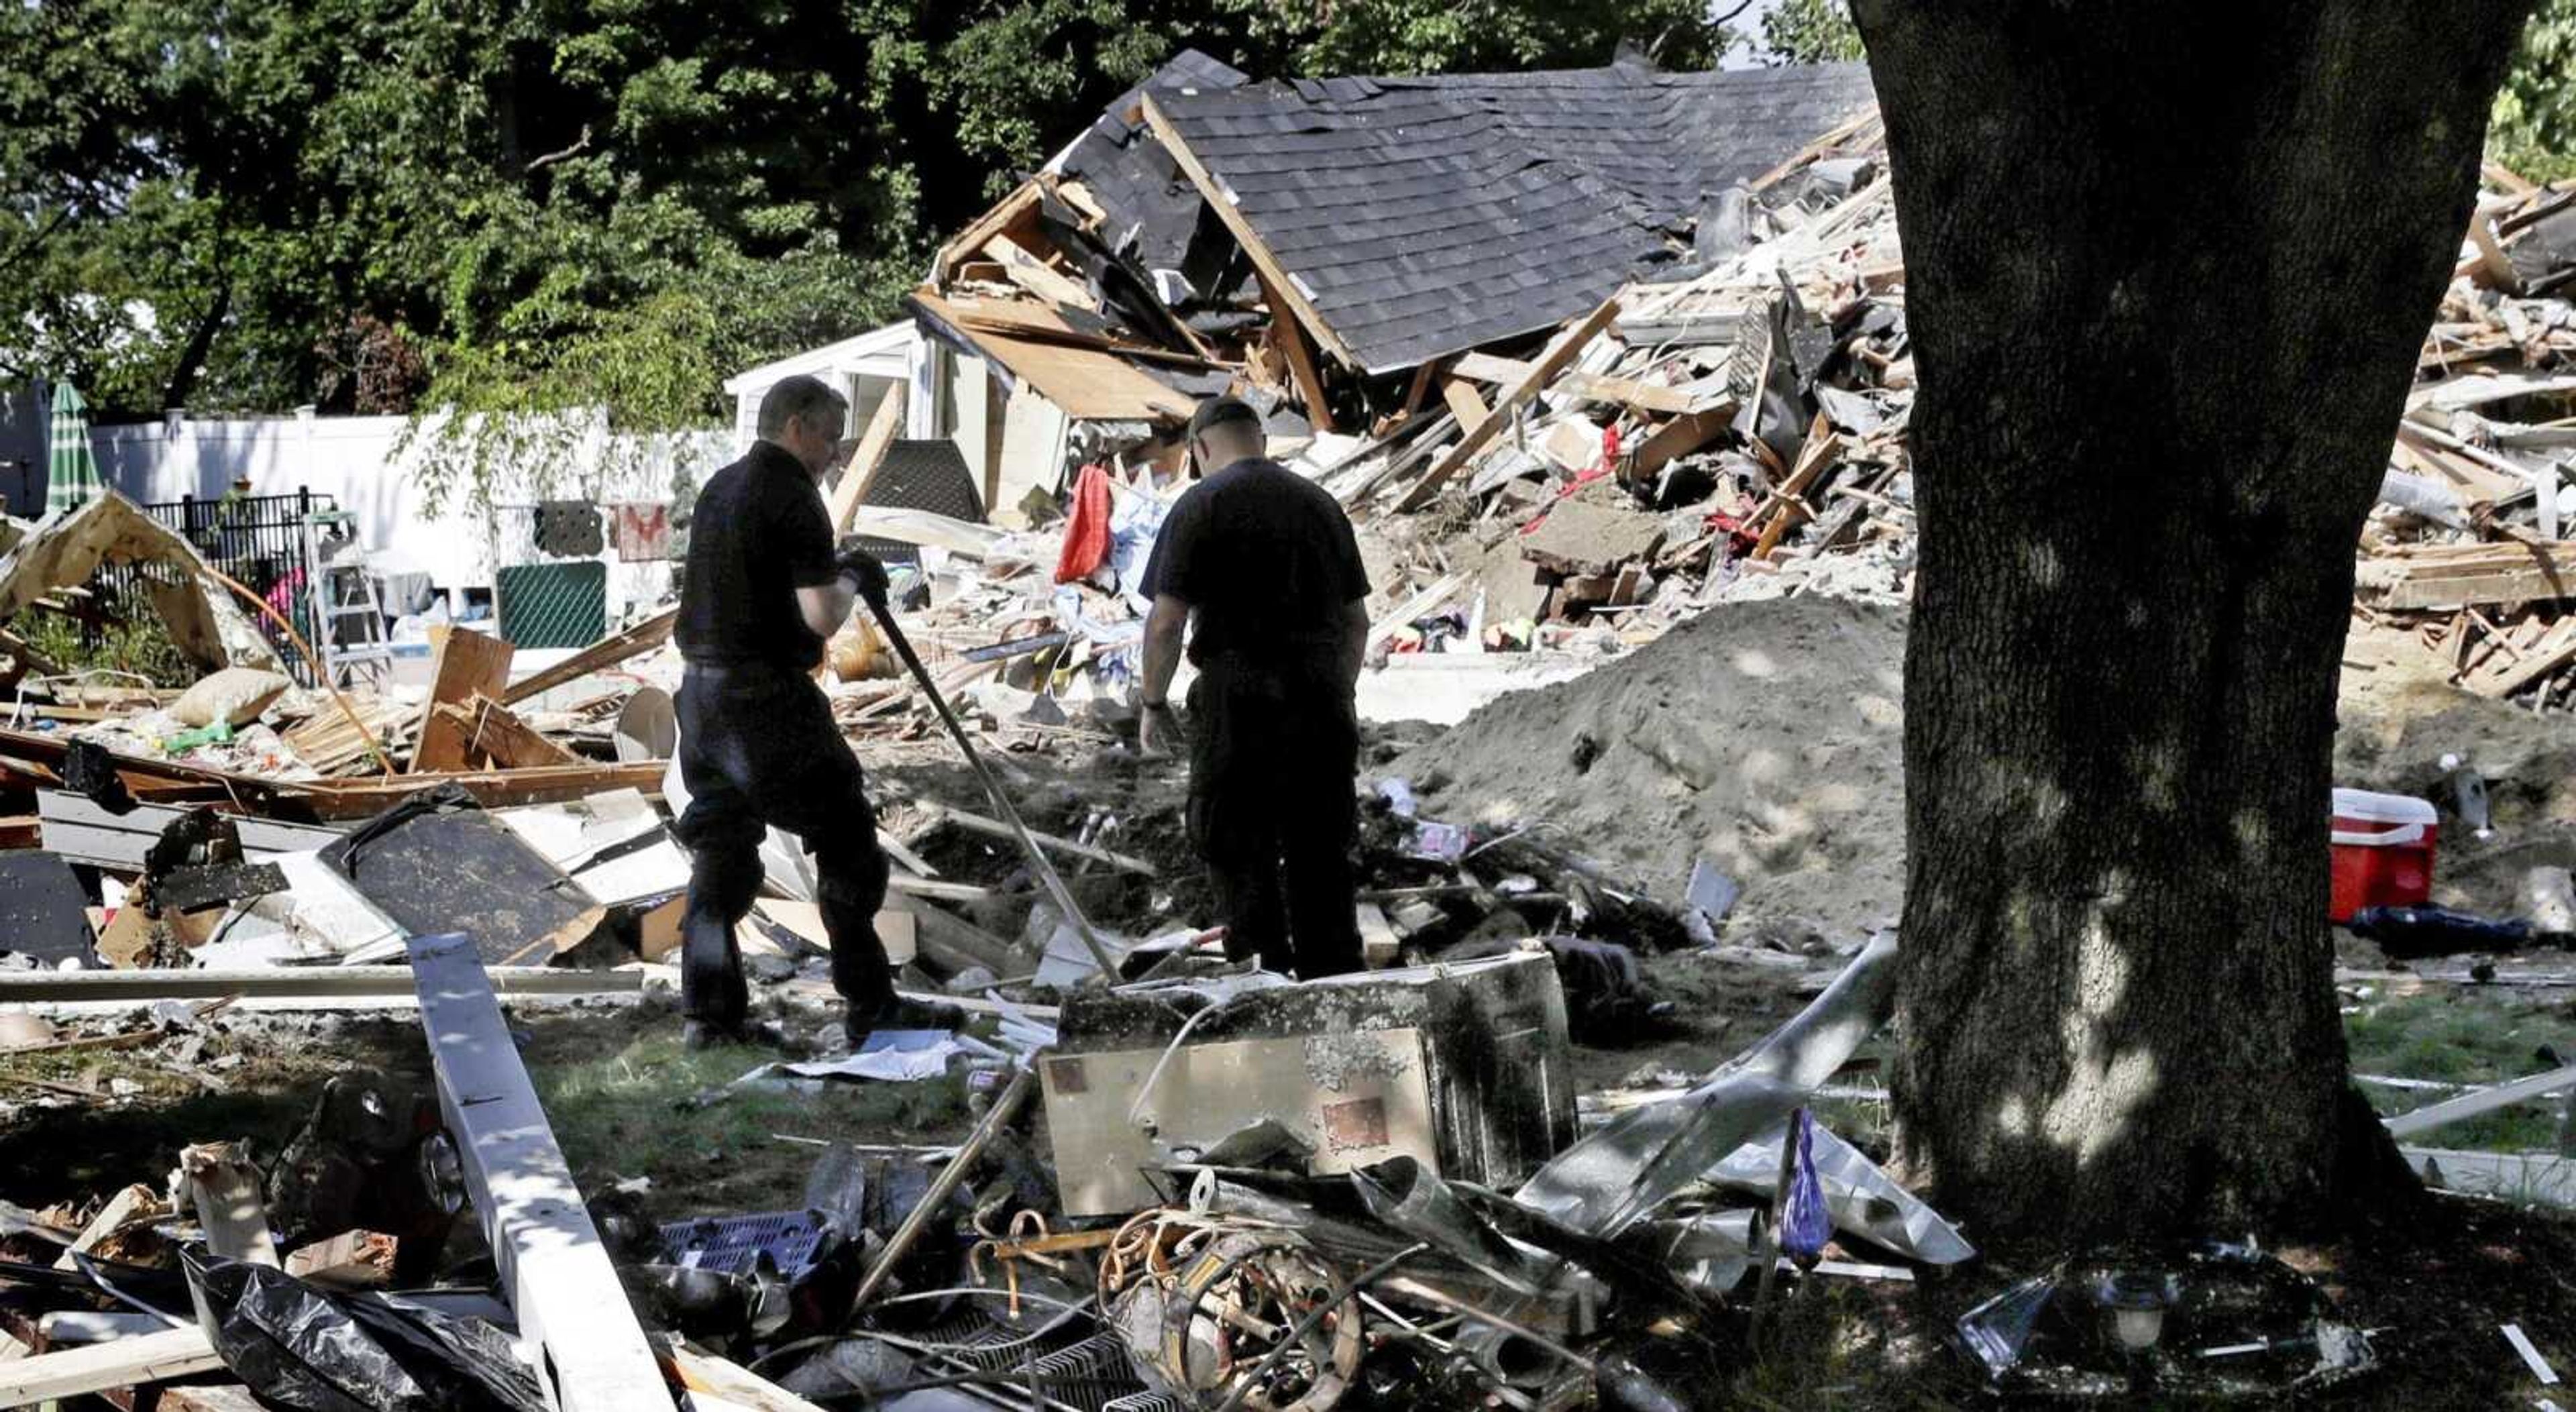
(1425, 216)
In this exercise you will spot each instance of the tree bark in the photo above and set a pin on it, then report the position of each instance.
(200, 345)
(2168, 269)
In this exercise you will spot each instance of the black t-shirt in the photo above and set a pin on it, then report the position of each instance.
(1266, 558)
(759, 534)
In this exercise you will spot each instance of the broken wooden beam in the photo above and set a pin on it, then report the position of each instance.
(859, 476)
(597, 657)
(1596, 387)
(557, 1274)
(463, 664)
(1561, 351)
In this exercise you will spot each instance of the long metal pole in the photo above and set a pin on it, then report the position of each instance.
(1047, 876)
(917, 1220)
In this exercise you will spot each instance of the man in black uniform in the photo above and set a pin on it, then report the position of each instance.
(1267, 562)
(763, 591)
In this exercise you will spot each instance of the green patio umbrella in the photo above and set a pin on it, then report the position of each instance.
(71, 472)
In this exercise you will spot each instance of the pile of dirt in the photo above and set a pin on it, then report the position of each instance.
(1767, 735)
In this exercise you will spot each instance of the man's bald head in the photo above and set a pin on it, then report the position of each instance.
(1223, 431)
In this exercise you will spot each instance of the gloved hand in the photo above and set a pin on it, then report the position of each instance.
(865, 576)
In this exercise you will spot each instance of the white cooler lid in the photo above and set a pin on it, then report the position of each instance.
(2364, 805)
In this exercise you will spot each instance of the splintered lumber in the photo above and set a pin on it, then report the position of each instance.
(494, 735)
(1022, 267)
(1627, 392)
(2554, 650)
(1515, 395)
(98, 1367)
(335, 745)
(597, 657)
(1291, 340)
(2457, 576)
(1465, 403)
(860, 475)
(463, 664)
(560, 1282)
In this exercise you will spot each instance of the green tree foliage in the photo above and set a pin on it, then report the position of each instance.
(1810, 32)
(2534, 126)
(508, 207)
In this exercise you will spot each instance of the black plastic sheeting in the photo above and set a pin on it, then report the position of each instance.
(299, 1347)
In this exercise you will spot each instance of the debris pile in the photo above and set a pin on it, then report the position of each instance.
(2474, 545)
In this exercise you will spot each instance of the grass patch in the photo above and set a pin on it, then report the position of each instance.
(2470, 1037)
(624, 1110)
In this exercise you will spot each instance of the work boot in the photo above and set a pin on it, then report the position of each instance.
(698, 1034)
(901, 1014)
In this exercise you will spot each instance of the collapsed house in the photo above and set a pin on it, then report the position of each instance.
(1587, 353)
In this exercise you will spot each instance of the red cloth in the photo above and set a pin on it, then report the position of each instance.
(1086, 530)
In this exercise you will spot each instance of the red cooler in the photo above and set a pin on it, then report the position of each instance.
(2383, 851)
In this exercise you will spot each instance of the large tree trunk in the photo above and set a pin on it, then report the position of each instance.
(2168, 269)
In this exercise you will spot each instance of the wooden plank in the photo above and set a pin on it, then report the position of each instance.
(557, 1275)
(1221, 199)
(1084, 382)
(1627, 392)
(1464, 403)
(1414, 392)
(1291, 341)
(969, 242)
(955, 943)
(97, 1367)
(493, 789)
(2485, 1100)
(599, 656)
(1677, 438)
(1773, 517)
(860, 475)
(462, 663)
(1560, 351)
(494, 733)
(1022, 267)
(2553, 652)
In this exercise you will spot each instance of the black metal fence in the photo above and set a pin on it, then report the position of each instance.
(256, 540)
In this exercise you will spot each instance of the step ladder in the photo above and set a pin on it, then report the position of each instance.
(349, 628)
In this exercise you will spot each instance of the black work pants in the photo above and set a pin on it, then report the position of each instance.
(757, 749)
(1273, 752)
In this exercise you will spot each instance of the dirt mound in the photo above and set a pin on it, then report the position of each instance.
(1766, 734)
